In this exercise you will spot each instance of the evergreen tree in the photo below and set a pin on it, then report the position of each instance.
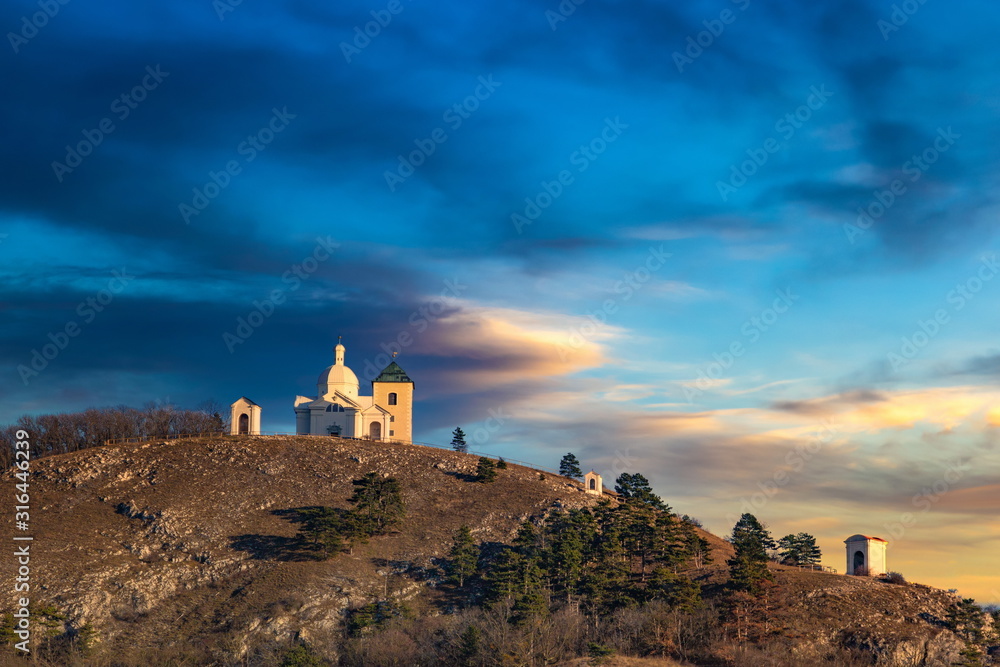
(697, 547)
(748, 566)
(469, 646)
(464, 556)
(676, 590)
(638, 532)
(324, 529)
(800, 549)
(379, 505)
(501, 464)
(485, 470)
(458, 440)
(569, 466)
(569, 533)
(605, 578)
(301, 656)
(517, 576)
(636, 487)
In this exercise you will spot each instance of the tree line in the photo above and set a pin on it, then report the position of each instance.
(594, 560)
(70, 432)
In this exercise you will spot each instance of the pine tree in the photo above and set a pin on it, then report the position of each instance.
(501, 464)
(564, 557)
(569, 466)
(800, 549)
(324, 529)
(379, 504)
(605, 578)
(464, 556)
(301, 656)
(811, 553)
(458, 440)
(469, 646)
(748, 566)
(636, 487)
(676, 590)
(697, 546)
(517, 576)
(485, 470)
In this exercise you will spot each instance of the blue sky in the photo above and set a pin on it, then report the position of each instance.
(635, 233)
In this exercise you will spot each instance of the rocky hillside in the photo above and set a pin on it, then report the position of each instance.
(192, 543)
(165, 541)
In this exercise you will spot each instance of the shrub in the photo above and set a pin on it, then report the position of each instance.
(302, 656)
(599, 653)
(895, 578)
(486, 470)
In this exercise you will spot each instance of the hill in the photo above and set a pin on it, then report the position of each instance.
(187, 550)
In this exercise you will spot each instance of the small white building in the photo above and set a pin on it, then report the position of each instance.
(244, 417)
(866, 555)
(592, 483)
(339, 409)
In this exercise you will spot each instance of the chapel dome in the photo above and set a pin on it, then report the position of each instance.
(338, 374)
(338, 377)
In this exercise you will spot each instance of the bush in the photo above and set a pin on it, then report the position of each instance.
(895, 578)
(302, 656)
(599, 653)
(486, 470)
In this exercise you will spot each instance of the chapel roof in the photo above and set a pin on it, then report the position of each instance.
(393, 373)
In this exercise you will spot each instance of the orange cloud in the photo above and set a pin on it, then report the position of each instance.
(514, 346)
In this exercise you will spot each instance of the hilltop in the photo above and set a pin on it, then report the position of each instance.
(188, 548)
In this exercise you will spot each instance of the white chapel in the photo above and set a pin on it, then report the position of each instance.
(338, 409)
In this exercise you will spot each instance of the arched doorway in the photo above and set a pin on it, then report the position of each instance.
(593, 484)
(375, 431)
(859, 562)
(244, 423)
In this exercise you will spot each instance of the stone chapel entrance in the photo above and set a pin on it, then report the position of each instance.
(859, 561)
(244, 423)
(375, 431)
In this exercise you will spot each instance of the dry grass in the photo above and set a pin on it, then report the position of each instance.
(189, 546)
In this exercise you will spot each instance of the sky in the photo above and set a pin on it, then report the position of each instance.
(748, 250)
